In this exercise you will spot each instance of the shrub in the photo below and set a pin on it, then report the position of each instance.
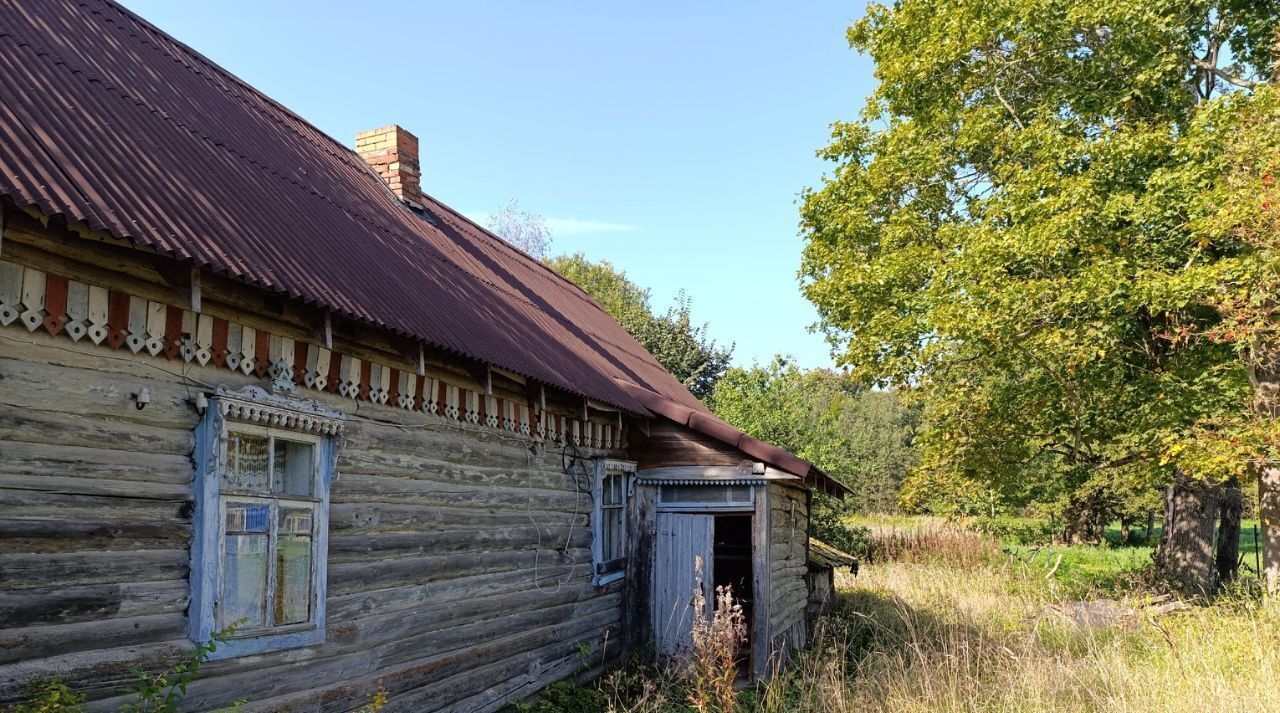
(1014, 530)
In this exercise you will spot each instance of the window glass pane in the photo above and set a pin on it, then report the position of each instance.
(614, 544)
(295, 521)
(247, 463)
(293, 579)
(248, 517)
(244, 581)
(705, 494)
(612, 489)
(293, 468)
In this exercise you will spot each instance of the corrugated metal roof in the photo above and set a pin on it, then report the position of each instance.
(705, 423)
(107, 120)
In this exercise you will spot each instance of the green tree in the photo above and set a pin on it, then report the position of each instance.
(1005, 217)
(682, 347)
(862, 437)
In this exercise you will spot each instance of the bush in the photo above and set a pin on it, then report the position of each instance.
(1014, 530)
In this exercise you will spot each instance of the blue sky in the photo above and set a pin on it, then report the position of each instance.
(670, 138)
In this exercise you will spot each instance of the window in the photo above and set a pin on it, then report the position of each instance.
(609, 519)
(711, 496)
(258, 560)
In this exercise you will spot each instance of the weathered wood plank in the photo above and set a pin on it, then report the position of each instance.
(362, 548)
(57, 427)
(35, 642)
(411, 491)
(91, 602)
(104, 464)
(353, 577)
(38, 571)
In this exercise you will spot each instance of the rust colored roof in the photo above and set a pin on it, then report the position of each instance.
(109, 121)
(702, 421)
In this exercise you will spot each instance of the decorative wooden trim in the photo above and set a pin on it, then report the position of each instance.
(63, 306)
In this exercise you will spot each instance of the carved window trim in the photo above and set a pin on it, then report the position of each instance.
(253, 410)
(610, 566)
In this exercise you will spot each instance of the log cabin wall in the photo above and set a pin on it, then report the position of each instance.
(459, 555)
(670, 444)
(788, 566)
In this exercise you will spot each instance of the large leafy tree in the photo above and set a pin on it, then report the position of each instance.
(1009, 226)
(682, 347)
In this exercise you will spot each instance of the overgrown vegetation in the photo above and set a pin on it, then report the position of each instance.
(952, 619)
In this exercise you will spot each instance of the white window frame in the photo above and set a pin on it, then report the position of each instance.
(255, 412)
(613, 569)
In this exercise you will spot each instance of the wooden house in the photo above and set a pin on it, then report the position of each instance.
(251, 377)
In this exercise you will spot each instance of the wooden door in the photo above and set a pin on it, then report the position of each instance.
(681, 538)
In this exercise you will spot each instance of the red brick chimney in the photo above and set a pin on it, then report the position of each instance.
(393, 153)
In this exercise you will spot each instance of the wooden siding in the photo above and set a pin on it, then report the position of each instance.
(679, 539)
(670, 444)
(448, 584)
(788, 554)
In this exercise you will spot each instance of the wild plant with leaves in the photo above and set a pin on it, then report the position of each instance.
(163, 692)
(710, 666)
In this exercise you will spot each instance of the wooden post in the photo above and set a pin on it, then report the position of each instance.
(761, 592)
(195, 289)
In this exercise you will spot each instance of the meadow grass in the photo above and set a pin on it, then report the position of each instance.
(980, 626)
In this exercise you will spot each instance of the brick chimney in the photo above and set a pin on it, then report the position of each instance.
(393, 153)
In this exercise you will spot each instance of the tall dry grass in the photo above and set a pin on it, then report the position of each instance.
(962, 627)
(944, 637)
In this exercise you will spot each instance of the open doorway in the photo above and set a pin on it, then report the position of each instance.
(731, 567)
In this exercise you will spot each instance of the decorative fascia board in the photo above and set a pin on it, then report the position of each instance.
(62, 306)
(256, 405)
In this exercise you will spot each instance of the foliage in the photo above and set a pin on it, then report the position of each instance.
(712, 662)
(862, 437)
(1014, 530)
(923, 540)
(1010, 229)
(376, 703)
(163, 692)
(49, 696)
(675, 341)
(525, 230)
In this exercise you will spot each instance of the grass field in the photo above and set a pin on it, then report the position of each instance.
(959, 621)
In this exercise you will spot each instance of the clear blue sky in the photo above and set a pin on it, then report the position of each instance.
(670, 138)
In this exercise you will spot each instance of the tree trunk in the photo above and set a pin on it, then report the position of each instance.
(1078, 519)
(1185, 556)
(1124, 530)
(1269, 514)
(1151, 527)
(1232, 507)
(1264, 375)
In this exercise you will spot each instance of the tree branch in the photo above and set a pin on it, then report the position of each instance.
(1226, 76)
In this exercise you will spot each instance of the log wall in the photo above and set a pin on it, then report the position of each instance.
(459, 556)
(788, 565)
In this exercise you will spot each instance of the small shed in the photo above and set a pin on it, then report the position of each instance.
(823, 562)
